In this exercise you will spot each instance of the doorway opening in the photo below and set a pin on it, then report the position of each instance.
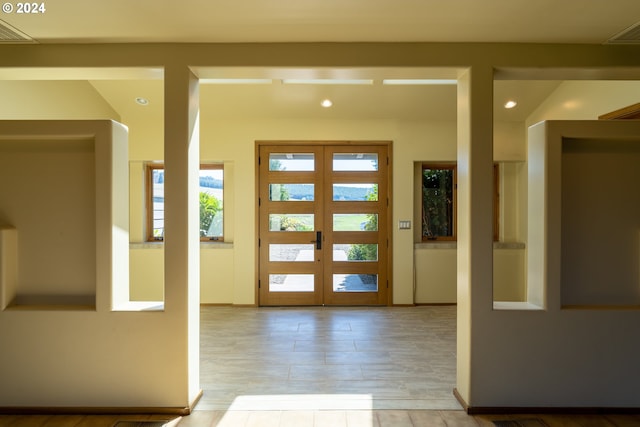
(323, 219)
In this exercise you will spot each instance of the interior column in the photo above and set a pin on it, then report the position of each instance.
(181, 240)
(475, 223)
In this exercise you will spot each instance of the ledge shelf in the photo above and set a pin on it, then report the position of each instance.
(516, 306)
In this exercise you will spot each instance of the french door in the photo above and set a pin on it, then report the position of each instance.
(323, 224)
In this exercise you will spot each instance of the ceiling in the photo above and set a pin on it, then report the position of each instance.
(302, 101)
(210, 21)
(199, 21)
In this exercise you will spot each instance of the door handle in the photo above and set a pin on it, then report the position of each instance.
(318, 240)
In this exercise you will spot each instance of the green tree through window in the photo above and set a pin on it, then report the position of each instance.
(209, 208)
(438, 202)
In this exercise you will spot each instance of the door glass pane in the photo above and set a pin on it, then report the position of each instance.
(291, 282)
(355, 252)
(355, 222)
(284, 252)
(355, 192)
(355, 283)
(291, 162)
(285, 222)
(355, 162)
(290, 192)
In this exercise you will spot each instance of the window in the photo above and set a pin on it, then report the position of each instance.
(211, 198)
(439, 202)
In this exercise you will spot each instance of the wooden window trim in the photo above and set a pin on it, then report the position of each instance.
(631, 112)
(496, 202)
(149, 168)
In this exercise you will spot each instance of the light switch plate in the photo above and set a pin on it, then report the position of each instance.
(404, 224)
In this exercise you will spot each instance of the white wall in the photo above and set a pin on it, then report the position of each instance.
(227, 271)
(234, 141)
(54, 213)
(435, 263)
(58, 349)
(600, 222)
(585, 100)
(566, 355)
(58, 99)
(556, 356)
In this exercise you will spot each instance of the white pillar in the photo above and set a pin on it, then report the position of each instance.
(475, 222)
(181, 240)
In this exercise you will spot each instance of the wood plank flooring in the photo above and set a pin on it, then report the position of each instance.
(327, 367)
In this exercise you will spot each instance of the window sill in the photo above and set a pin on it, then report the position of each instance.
(146, 245)
(140, 306)
(516, 306)
(216, 245)
(443, 244)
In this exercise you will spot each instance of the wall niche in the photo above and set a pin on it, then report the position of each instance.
(584, 211)
(600, 222)
(60, 218)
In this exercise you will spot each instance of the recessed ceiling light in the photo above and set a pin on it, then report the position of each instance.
(510, 104)
(142, 101)
(326, 103)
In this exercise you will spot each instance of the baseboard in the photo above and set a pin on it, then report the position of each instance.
(495, 410)
(100, 410)
(460, 400)
(551, 410)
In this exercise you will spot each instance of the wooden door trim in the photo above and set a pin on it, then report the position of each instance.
(387, 143)
(320, 142)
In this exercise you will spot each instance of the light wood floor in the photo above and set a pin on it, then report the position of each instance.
(381, 418)
(327, 367)
(328, 358)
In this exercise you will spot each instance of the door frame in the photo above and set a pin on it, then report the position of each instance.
(343, 143)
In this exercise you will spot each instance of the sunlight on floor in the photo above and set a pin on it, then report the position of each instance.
(301, 410)
(302, 402)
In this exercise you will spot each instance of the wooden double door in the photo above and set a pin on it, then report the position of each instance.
(324, 224)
